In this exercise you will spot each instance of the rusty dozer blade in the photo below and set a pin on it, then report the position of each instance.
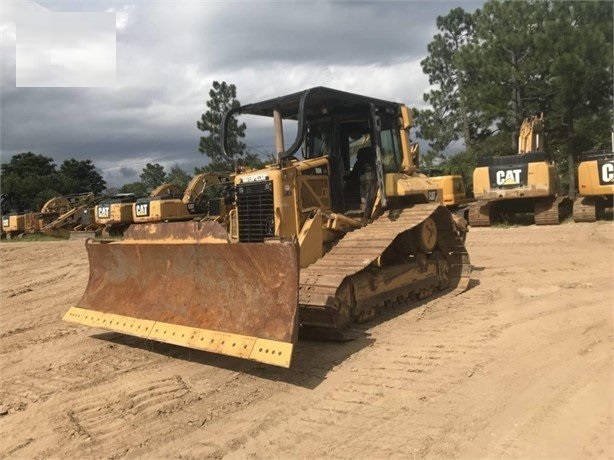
(186, 287)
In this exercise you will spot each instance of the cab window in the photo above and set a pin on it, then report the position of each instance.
(319, 140)
(391, 152)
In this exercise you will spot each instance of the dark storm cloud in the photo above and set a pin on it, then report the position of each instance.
(241, 34)
(62, 119)
(168, 53)
(314, 33)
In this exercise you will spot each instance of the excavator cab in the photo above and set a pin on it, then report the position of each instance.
(312, 244)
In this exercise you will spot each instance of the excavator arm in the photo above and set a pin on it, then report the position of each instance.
(531, 137)
(165, 189)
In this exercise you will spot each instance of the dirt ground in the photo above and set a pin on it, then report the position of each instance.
(519, 366)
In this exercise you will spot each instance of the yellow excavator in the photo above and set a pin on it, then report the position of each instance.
(4, 199)
(65, 214)
(115, 212)
(524, 183)
(595, 186)
(207, 194)
(314, 244)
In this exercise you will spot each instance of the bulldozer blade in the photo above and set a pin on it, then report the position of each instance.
(234, 299)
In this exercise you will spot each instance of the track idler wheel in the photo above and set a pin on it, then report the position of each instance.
(426, 235)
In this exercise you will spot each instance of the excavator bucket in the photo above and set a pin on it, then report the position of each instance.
(184, 283)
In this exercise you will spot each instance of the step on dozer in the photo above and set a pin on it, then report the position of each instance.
(184, 283)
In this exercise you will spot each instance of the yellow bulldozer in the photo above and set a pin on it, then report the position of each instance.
(595, 186)
(524, 183)
(207, 194)
(313, 244)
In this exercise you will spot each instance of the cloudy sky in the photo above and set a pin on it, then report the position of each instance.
(72, 89)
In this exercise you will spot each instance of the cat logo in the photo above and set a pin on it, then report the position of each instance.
(432, 195)
(104, 211)
(142, 209)
(606, 175)
(5, 221)
(508, 177)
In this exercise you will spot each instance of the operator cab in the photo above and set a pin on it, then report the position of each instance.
(348, 143)
(358, 135)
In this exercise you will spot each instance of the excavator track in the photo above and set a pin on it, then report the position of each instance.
(584, 210)
(324, 283)
(551, 211)
(479, 214)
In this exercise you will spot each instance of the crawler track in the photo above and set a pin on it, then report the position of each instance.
(479, 214)
(584, 210)
(546, 211)
(551, 211)
(321, 282)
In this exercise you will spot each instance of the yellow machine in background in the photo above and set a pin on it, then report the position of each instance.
(115, 213)
(314, 243)
(454, 191)
(4, 198)
(206, 195)
(56, 217)
(595, 186)
(523, 183)
(66, 214)
(17, 224)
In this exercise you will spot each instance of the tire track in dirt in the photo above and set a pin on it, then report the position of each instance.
(382, 385)
(137, 405)
(36, 288)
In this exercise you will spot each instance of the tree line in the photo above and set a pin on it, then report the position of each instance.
(509, 60)
(29, 179)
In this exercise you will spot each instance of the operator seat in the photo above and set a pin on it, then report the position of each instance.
(365, 156)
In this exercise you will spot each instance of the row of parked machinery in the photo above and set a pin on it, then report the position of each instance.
(207, 195)
(83, 215)
(528, 183)
(57, 217)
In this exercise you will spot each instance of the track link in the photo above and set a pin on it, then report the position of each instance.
(584, 210)
(551, 211)
(480, 214)
(321, 282)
